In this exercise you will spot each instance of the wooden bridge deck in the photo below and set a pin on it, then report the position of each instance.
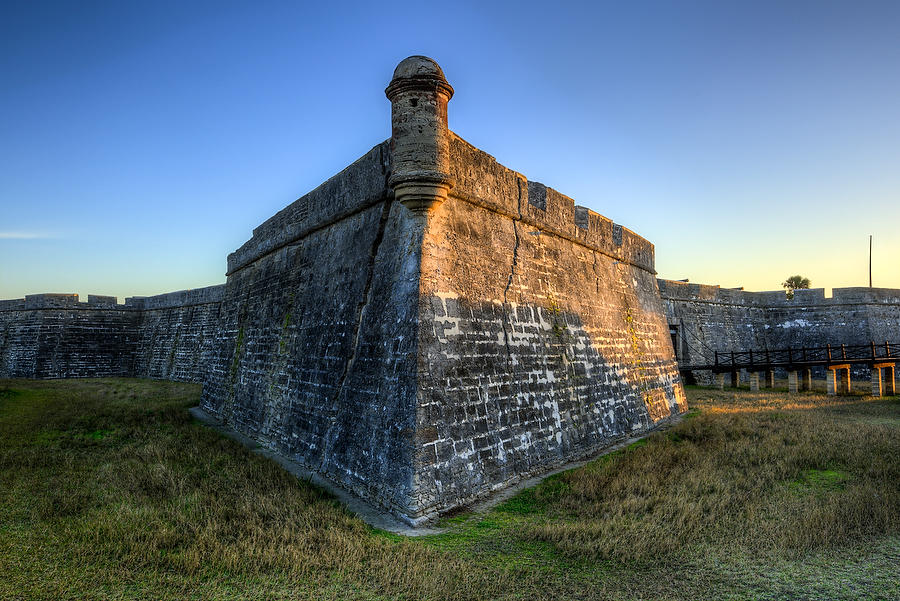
(880, 358)
(802, 358)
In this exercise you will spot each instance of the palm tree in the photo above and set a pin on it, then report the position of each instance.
(795, 282)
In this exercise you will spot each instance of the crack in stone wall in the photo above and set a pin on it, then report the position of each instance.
(512, 272)
(360, 315)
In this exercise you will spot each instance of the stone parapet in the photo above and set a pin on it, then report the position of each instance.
(357, 188)
(181, 298)
(482, 181)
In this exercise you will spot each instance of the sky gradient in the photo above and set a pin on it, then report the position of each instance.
(142, 142)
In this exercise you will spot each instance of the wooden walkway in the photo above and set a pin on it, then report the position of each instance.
(881, 358)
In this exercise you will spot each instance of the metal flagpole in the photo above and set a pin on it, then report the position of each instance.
(870, 260)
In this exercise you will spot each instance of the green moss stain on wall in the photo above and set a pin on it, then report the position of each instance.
(237, 355)
(282, 341)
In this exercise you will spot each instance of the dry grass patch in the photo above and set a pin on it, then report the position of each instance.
(108, 490)
(108, 485)
(755, 473)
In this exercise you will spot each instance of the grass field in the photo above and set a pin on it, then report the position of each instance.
(108, 490)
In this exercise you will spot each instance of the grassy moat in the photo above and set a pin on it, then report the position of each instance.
(109, 490)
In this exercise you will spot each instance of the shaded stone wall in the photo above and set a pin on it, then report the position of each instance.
(707, 319)
(177, 333)
(55, 336)
(316, 355)
(883, 306)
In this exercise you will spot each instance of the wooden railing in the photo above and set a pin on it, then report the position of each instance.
(802, 357)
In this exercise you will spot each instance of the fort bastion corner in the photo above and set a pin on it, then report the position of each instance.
(423, 329)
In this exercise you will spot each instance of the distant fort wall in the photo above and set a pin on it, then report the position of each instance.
(704, 319)
(56, 336)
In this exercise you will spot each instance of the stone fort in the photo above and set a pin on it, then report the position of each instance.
(428, 326)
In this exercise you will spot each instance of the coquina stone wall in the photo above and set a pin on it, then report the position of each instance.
(316, 353)
(428, 326)
(56, 336)
(705, 319)
(542, 338)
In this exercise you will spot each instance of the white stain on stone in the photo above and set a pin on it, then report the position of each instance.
(446, 327)
(553, 405)
(795, 323)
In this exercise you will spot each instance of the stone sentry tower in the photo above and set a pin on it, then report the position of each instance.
(428, 326)
(420, 139)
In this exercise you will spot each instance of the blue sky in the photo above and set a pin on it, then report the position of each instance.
(143, 141)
